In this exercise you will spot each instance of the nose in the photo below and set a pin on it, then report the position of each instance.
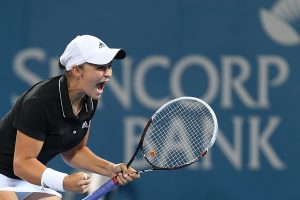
(108, 72)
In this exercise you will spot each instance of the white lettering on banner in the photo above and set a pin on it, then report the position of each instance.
(132, 137)
(260, 142)
(123, 94)
(265, 63)
(225, 81)
(139, 84)
(237, 83)
(173, 140)
(54, 69)
(20, 68)
(231, 82)
(22, 71)
(202, 62)
(233, 153)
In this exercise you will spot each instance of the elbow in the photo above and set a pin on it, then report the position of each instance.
(17, 165)
(66, 157)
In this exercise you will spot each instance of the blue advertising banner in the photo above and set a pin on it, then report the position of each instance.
(241, 57)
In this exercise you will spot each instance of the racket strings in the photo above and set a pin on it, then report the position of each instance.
(191, 125)
(180, 158)
(202, 142)
(188, 119)
(179, 134)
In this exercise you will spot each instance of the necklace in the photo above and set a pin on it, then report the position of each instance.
(76, 111)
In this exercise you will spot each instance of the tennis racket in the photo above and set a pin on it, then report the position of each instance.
(177, 135)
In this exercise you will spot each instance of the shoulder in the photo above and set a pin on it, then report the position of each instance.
(43, 91)
(38, 97)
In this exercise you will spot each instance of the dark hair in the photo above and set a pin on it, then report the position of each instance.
(61, 66)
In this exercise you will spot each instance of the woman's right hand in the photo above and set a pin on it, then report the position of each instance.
(78, 182)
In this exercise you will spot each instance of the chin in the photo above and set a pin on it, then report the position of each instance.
(96, 97)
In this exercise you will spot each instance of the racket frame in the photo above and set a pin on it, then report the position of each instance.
(140, 144)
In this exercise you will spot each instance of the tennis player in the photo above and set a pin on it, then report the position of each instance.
(54, 117)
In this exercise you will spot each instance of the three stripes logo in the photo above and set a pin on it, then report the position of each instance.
(85, 125)
(45, 186)
(101, 45)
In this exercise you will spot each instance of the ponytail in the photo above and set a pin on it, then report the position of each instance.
(63, 68)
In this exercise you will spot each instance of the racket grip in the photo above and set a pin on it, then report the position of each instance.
(103, 190)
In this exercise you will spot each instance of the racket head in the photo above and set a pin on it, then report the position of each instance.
(179, 133)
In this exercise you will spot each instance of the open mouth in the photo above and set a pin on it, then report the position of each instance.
(100, 86)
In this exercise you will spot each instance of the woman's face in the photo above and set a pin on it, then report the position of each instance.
(94, 79)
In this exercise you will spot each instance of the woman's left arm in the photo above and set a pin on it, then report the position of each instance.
(83, 158)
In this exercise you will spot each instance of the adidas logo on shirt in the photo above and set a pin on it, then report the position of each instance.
(85, 125)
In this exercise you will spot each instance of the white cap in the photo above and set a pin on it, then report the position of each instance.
(90, 49)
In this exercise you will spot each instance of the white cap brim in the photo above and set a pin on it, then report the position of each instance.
(106, 55)
(89, 49)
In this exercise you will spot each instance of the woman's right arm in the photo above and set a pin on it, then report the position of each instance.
(27, 167)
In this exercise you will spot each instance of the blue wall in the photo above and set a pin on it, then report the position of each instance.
(242, 57)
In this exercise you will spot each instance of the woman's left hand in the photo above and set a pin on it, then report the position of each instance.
(124, 175)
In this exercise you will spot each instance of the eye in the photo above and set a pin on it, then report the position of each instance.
(103, 67)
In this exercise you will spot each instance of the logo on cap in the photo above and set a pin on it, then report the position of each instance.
(101, 45)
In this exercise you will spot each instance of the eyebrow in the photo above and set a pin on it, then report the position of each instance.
(102, 66)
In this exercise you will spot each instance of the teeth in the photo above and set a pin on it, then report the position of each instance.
(101, 85)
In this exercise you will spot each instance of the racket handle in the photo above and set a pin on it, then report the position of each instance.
(103, 190)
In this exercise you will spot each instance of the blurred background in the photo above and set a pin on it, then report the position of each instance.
(242, 57)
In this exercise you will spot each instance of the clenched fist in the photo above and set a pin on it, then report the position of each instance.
(78, 182)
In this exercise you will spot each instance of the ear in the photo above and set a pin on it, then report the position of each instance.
(76, 71)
